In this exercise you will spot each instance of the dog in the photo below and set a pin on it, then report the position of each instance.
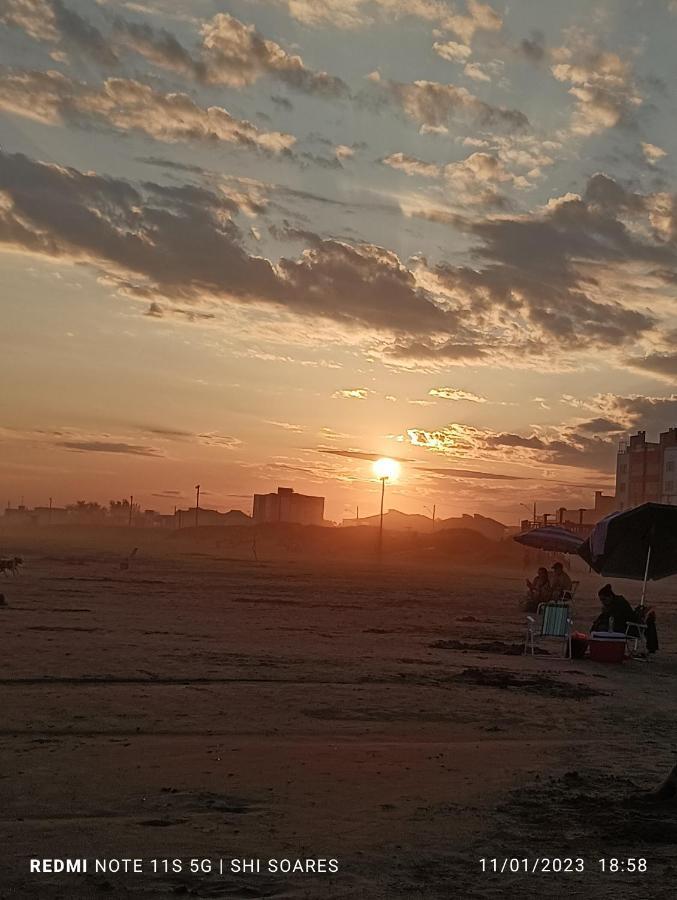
(11, 566)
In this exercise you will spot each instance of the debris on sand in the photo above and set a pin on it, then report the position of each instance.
(487, 647)
(534, 684)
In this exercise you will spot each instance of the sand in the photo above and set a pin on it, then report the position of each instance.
(205, 707)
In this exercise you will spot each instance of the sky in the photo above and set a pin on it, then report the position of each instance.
(265, 242)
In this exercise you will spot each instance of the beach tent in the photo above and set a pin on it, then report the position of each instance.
(639, 543)
(550, 537)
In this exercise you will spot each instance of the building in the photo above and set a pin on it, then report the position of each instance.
(288, 506)
(604, 506)
(647, 470)
(186, 518)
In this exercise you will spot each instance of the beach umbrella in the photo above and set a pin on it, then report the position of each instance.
(550, 537)
(639, 543)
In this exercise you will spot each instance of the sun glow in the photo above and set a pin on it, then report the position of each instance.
(386, 468)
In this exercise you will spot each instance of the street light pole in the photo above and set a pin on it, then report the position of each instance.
(197, 503)
(380, 527)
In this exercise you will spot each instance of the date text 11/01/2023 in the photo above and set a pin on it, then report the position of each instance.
(556, 865)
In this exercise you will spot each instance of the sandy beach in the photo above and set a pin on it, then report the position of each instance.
(203, 707)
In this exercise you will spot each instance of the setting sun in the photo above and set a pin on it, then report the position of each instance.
(386, 468)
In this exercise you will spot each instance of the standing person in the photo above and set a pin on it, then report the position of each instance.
(560, 582)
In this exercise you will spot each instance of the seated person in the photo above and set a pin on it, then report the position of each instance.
(559, 582)
(538, 590)
(615, 607)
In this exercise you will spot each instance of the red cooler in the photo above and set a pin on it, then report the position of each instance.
(607, 646)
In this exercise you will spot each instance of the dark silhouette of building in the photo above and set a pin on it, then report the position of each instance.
(288, 506)
(647, 470)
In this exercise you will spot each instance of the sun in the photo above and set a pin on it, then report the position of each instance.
(386, 468)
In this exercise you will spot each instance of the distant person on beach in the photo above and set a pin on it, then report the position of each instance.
(560, 582)
(538, 590)
(616, 611)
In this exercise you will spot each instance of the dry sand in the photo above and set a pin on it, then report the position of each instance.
(209, 707)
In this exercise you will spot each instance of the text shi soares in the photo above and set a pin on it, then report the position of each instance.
(243, 866)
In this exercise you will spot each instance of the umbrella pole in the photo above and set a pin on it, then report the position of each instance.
(646, 575)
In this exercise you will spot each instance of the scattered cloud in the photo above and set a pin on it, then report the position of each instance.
(124, 105)
(351, 394)
(53, 22)
(662, 364)
(446, 393)
(109, 447)
(602, 83)
(214, 439)
(652, 153)
(435, 105)
(452, 51)
(231, 53)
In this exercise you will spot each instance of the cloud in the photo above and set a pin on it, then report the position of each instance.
(533, 48)
(231, 53)
(452, 51)
(351, 394)
(446, 393)
(287, 426)
(652, 153)
(601, 82)
(476, 72)
(525, 298)
(411, 165)
(109, 447)
(479, 17)
(472, 474)
(53, 22)
(124, 105)
(474, 180)
(361, 454)
(166, 244)
(662, 364)
(352, 14)
(214, 439)
(563, 446)
(532, 265)
(434, 105)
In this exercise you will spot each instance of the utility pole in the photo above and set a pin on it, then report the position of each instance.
(131, 507)
(197, 503)
(358, 513)
(434, 508)
(534, 513)
(49, 520)
(380, 527)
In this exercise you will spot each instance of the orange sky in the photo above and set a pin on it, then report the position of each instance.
(297, 236)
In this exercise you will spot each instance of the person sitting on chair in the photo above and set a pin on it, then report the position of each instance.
(538, 590)
(559, 583)
(615, 610)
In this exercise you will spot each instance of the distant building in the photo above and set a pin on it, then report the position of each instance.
(288, 506)
(185, 518)
(604, 505)
(647, 470)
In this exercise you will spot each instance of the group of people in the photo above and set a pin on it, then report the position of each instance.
(615, 615)
(547, 586)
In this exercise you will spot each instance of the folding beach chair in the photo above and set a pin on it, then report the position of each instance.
(553, 620)
(635, 635)
(568, 596)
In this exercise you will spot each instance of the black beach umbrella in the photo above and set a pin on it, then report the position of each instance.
(639, 543)
(550, 537)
